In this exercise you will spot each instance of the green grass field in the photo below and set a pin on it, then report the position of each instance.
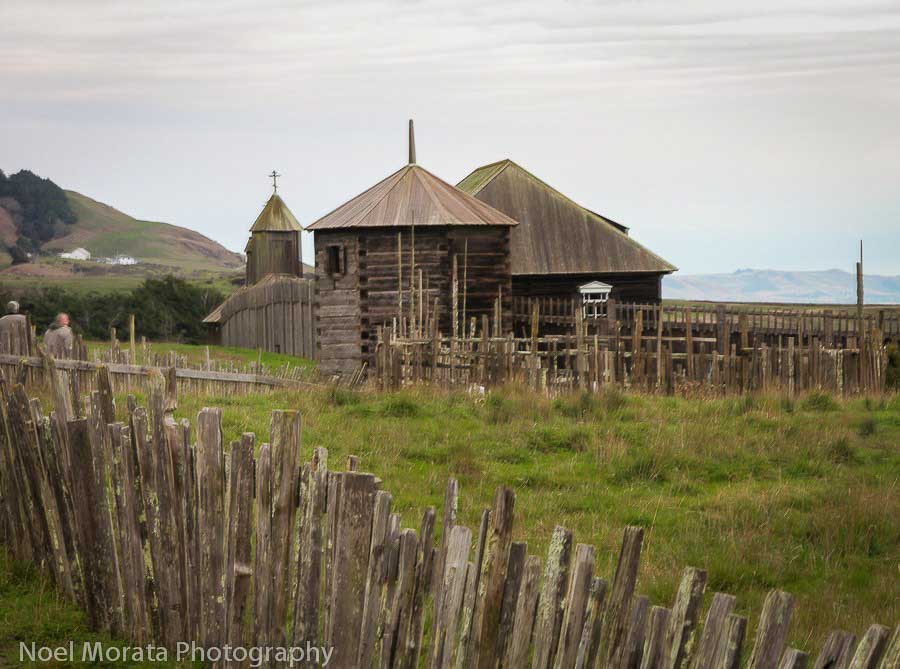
(762, 492)
(196, 354)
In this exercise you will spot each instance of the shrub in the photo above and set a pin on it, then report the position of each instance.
(165, 309)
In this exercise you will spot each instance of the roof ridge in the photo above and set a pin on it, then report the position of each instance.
(593, 214)
(482, 186)
(361, 193)
(469, 202)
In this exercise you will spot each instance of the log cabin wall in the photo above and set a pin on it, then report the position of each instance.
(645, 288)
(354, 305)
(338, 303)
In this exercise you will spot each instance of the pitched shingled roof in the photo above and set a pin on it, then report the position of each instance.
(556, 235)
(275, 217)
(411, 196)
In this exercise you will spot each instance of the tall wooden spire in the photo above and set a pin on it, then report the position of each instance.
(412, 143)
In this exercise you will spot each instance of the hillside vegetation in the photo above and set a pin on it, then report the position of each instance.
(167, 308)
(762, 492)
(105, 231)
(39, 220)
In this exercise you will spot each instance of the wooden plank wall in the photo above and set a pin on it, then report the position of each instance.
(160, 539)
(273, 253)
(275, 315)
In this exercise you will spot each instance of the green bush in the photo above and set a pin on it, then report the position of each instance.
(170, 309)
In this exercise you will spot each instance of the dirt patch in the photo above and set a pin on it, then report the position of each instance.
(37, 270)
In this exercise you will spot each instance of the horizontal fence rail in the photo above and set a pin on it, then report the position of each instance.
(163, 534)
(82, 376)
(743, 325)
(647, 363)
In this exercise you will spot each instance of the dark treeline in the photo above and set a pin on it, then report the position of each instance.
(169, 308)
(44, 212)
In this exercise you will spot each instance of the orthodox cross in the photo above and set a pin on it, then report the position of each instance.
(275, 176)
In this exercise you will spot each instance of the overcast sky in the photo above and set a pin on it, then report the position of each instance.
(726, 135)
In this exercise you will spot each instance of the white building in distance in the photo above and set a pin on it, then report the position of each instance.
(76, 254)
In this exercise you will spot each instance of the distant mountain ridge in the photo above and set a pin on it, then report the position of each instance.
(832, 286)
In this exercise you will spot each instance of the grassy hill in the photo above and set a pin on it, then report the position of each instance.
(160, 248)
(105, 231)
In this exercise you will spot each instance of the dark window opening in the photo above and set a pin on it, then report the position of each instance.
(334, 259)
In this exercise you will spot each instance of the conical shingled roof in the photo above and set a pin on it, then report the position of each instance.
(411, 196)
(556, 235)
(276, 217)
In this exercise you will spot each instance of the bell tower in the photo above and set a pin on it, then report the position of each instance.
(275, 245)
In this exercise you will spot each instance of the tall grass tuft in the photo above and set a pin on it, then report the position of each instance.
(818, 401)
(399, 406)
(499, 410)
(552, 438)
(866, 427)
(841, 452)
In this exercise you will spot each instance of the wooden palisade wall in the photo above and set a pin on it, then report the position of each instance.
(274, 315)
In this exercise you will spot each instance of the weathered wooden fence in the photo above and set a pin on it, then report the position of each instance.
(163, 535)
(81, 376)
(647, 363)
(742, 325)
(276, 314)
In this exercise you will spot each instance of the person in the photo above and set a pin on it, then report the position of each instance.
(58, 339)
(13, 331)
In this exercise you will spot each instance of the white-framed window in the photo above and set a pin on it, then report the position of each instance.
(594, 296)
